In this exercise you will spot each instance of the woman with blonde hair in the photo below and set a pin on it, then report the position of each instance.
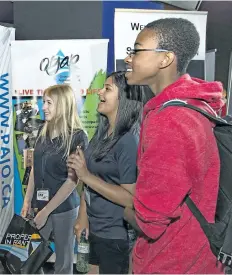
(50, 186)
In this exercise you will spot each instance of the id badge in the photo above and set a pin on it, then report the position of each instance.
(87, 196)
(42, 195)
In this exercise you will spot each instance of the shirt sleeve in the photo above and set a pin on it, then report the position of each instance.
(38, 133)
(79, 139)
(174, 158)
(126, 157)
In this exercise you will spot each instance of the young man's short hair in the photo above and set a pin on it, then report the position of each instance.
(179, 36)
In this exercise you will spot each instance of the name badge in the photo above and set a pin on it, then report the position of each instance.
(42, 195)
(87, 195)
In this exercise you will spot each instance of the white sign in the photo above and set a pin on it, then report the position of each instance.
(128, 23)
(40, 64)
(6, 130)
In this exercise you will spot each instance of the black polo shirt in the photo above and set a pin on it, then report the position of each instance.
(117, 167)
(50, 169)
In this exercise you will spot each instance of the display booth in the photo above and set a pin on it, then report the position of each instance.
(27, 68)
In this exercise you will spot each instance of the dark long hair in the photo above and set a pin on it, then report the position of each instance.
(128, 119)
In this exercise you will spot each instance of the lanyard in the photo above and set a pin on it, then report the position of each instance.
(45, 153)
(43, 165)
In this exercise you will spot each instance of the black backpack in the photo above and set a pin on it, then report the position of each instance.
(219, 233)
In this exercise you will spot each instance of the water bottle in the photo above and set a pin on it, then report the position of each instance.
(131, 236)
(82, 263)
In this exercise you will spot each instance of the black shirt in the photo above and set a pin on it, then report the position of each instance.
(50, 169)
(117, 167)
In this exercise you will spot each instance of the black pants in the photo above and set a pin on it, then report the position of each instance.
(111, 255)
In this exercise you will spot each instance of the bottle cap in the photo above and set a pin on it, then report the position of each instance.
(83, 233)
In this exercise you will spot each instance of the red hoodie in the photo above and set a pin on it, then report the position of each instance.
(178, 155)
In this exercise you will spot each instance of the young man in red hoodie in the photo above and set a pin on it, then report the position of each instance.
(178, 153)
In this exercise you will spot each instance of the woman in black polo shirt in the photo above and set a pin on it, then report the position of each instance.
(108, 170)
(49, 185)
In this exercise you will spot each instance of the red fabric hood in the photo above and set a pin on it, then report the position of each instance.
(189, 88)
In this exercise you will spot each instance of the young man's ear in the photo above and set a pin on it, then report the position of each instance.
(168, 59)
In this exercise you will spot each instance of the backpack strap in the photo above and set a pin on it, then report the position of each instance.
(198, 215)
(181, 103)
(217, 121)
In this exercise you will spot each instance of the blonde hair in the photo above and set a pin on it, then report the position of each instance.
(66, 120)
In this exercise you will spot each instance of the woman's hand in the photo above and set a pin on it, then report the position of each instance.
(77, 162)
(26, 209)
(82, 223)
(41, 218)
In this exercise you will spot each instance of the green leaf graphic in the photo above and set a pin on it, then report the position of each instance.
(89, 114)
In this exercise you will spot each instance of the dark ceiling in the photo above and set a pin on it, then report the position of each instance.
(219, 31)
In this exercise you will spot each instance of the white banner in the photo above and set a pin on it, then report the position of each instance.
(40, 64)
(6, 130)
(128, 23)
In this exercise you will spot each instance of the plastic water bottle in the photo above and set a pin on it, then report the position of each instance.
(131, 236)
(82, 263)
